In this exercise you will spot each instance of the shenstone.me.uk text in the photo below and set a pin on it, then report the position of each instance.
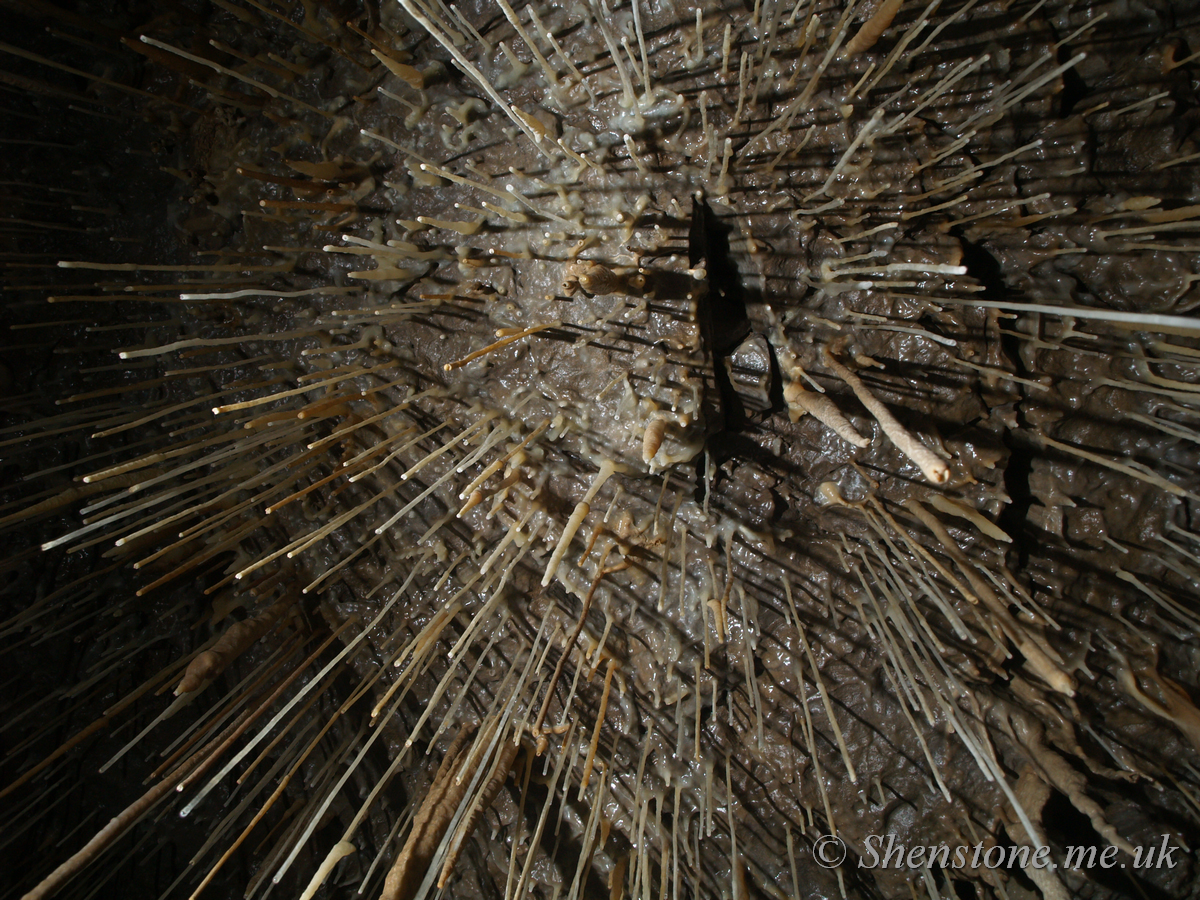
(882, 852)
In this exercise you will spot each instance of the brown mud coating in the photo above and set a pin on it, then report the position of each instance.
(488, 466)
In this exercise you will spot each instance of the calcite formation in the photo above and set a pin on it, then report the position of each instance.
(575, 448)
